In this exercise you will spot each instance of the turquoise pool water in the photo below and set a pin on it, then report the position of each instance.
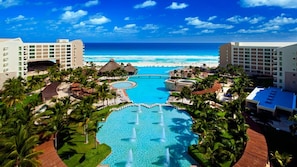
(150, 90)
(123, 85)
(150, 134)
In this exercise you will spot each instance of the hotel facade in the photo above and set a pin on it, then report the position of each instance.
(15, 56)
(275, 59)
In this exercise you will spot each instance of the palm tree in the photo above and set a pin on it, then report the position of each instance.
(19, 149)
(282, 159)
(185, 93)
(14, 91)
(82, 113)
(56, 118)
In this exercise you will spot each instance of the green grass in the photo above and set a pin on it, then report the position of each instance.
(75, 152)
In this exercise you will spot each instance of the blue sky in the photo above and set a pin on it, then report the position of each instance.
(149, 20)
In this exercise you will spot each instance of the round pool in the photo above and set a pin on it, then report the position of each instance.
(123, 85)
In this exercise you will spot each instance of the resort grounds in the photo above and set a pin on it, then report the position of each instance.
(77, 146)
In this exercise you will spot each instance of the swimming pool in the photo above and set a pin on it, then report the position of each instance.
(150, 90)
(123, 85)
(148, 137)
(148, 133)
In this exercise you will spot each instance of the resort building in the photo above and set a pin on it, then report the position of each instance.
(272, 100)
(16, 56)
(274, 59)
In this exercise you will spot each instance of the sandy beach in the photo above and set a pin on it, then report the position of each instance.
(164, 64)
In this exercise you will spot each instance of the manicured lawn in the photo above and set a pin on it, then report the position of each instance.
(75, 152)
(281, 141)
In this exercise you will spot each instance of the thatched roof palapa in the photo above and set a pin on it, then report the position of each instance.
(110, 66)
(130, 69)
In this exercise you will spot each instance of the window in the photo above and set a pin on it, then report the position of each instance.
(280, 53)
(280, 81)
(280, 74)
(294, 75)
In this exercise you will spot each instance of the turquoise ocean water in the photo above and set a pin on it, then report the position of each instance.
(152, 52)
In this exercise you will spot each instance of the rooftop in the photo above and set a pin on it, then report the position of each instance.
(263, 44)
(271, 98)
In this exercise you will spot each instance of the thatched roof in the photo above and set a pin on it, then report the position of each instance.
(130, 69)
(110, 66)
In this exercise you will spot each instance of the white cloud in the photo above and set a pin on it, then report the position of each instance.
(207, 31)
(212, 18)
(91, 3)
(182, 30)
(129, 28)
(281, 20)
(238, 19)
(70, 15)
(127, 18)
(67, 8)
(14, 19)
(260, 29)
(256, 20)
(279, 3)
(272, 25)
(9, 3)
(175, 5)
(80, 25)
(99, 20)
(150, 27)
(148, 3)
(195, 21)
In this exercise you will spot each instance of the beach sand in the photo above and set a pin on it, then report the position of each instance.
(158, 64)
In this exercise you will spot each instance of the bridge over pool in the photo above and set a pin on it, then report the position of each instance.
(149, 76)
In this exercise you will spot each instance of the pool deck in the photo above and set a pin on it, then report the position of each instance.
(256, 150)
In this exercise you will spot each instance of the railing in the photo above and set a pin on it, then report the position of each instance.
(149, 76)
(139, 105)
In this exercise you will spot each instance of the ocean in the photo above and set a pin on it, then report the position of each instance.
(153, 53)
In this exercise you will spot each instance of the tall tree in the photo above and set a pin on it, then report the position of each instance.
(14, 91)
(19, 150)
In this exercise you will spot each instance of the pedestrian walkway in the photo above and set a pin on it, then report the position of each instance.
(256, 150)
(50, 157)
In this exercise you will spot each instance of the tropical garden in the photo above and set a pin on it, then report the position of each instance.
(222, 129)
(70, 122)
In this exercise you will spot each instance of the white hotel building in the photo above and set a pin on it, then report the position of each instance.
(15, 55)
(277, 59)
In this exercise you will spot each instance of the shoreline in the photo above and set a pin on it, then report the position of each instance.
(163, 64)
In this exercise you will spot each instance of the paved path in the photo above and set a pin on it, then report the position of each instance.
(256, 151)
(50, 157)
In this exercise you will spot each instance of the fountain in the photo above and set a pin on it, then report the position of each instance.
(162, 120)
(163, 135)
(160, 108)
(167, 158)
(133, 138)
(139, 108)
(137, 119)
(130, 159)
